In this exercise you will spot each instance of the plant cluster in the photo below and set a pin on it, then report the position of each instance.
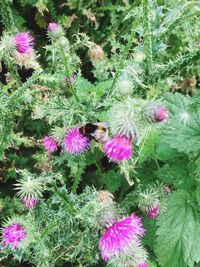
(100, 133)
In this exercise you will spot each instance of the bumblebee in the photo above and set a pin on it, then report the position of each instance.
(97, 131)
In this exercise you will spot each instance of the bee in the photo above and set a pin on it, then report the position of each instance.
(97, 131)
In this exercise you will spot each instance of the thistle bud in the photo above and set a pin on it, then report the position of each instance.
(96, 52)
(124, 87)
(154, 112)
(55, 31)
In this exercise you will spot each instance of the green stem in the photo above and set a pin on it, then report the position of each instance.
(147, 37)
(68, 73)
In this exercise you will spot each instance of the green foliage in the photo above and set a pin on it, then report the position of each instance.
(178, 232)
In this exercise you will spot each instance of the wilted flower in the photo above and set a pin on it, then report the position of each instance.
(154, 112)
(120, 236)
(153, 211)
(105, 196)
(49, 144)
(24, 42)
(75, 142)
(52, 26)
(118, 148)
(30, 203)
(96, 52)
(13, 235)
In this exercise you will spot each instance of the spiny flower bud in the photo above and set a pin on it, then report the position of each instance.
(55, 31)
(124, 87)
(63, 41)
(30, 203)
(123, 119)
(153, 211)
(7, 45)
(96, 52)
(154, 112)
(29, 188)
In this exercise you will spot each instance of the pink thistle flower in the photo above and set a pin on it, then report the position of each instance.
(155, 112)
(13, 235)
(153, 211)
(75, 142)
(142, 264)
(52, 26)
(24, 42)
(118, 148)
(49, 144)
(30, 203)
(119, 237)
(160, 114)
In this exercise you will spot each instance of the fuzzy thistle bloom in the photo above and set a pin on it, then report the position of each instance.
(155, 112)
(52, 26)
(75, 142)
(153, 211)
(49, 144)
(118, 148)
(13, 235)
(30, 203)
(124, 86)
(24, 42)
(123, 119)
(120, 236)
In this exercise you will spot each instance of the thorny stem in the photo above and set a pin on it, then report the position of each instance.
(68, 73)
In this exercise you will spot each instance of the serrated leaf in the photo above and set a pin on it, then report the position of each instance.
(178, 241)
(182, 130)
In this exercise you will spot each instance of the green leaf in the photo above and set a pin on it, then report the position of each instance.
(112, 181)
(182, 129)
(178, 241)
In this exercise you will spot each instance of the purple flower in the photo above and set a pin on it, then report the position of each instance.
(119, 237)
(153, 211)
(49, 144)
(52, 26)
(118, 148)
(24, 42)
(142, 264)
(154, 112)
(13, 235)
(30, 203)
(73, 79)
(160, 114)
(75, 142)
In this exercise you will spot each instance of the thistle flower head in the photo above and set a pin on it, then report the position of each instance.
(13, 235)
(52, 26)
(96, 52)
(119, 238)
(75, 142)
(30, 203)
(29, 188)
(24, 42)
(49, 144)
(154, 112)
(16, 233)
(26, 59)
(153, 211)
(55, 31)
(123, 119)
(118, 148)
(105, 196)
